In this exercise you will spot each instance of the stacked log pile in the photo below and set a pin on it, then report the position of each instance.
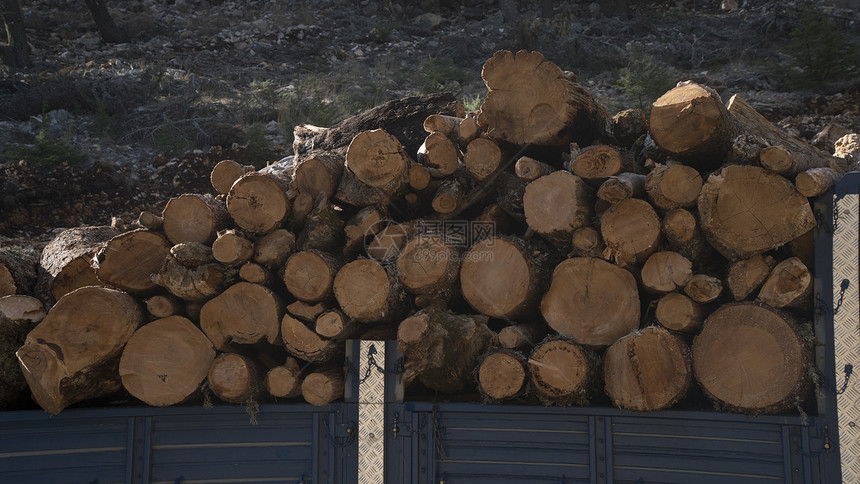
(538, 249)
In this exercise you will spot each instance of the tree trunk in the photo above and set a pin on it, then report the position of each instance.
(442, 348)
(229, 320)
(673, 186)
(235, 378)
(303, 343)
(482, 158)
(502, 278)
(258, 202)
(429, 265)
(194, 218)
(352, 191)
(666, 271)
(18, 269)
(631, 231)
(284, 381)
(678, 312)
(323, 228)
(752, 358)
(16, 52)
(815, 181)
(502, 374)
(788, 285)
(66, 262)
(309, 275)
(562, 372)
(621, 187)
(628, 126)
(73, 354)
(438, 155)
(557, 204)
(225, 173)
(596, 163)
(18, 316)
(747, 275)
(272, 249)
(232, 248)
(647, 370)
(129, 260)
(592, 301)
(166, 361)
(318, 174)
(323, 386)
(553, 111)
(691, 123)
(107, 28)
(746, 210)
(369, 292)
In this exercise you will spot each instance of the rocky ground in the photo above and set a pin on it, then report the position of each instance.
(202, 81)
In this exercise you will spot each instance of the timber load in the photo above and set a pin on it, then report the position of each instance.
(532, 251)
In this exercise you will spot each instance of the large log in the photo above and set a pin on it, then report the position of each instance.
(129, 260)
(429, 265)
(194, 218)
(228, 319)
(66, 261)
(318, 174)
(441, 348)
(746, 210)
(532, 102)
(368, 292)
(309, 275)
(562, 372)
(18, 270)
(73, 354)
(673, 186)
(752, 358)
(557, 204)
(647, 370)
(502, 374)
(258, 202)
(166, 361)
(19, 314)
(592, 301)
(378, 160)
(235, 378)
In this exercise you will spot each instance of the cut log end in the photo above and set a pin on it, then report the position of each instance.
(502, 375)
(561, 372)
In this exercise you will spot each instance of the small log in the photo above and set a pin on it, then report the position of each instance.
(232, 248)
(166, 361)
(334, 324)
(438, 155)
(788, 285)
(66, 261)
(776, 159)
(323, 228)
(256, 274)
(679, 226)
(235, 378)
(284, 381)
(678, 312)
(306, 312)
(192, 254)
(557, 204)
(228, 319)
(482, 158)
(747, 275)
(19, 314)
(586, 242)
(673, 186)
(562, 372)
(753, 359)
(628, 126)
(553, 111)
(647, 370)
(150, 221)
(194, 218)
(815, 181)
(596, 163)
(441, 348)
(368, 292)
(164, 305)
(59, 360)
(378, 160)
(194, 283)
(323, 386)
(703, 288)
(446, 125)
(691, 123)
(258, 202)
(621, 187)
(521, 334)
(592, 301)
(666, 271)
(271, 250)
(225, 173)
(502, 278)
(631, 230)
(746, 210)
(448, 196)
(129, 260)
(309, 275)
(468, 130)
(531, 169)
(18, 270)
(429, 265)
(502, 374)
(317, 174)
(360, 228)
(303, 343)
(419, 177)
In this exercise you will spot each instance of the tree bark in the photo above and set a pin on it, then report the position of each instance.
(647, 370)
(318, 174)
(18, 316)
(592, 301)
(18, 269)
(562, 372)
(228, 319)
(621, 187)
(557, 204)
(129, 260)
(66, 262)
(815, 181)
(107, 27)
(166, 361)
(323, 228)
(273, 249)
(359, 229)
(73, 354)
(502, 374)
(752, 358)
